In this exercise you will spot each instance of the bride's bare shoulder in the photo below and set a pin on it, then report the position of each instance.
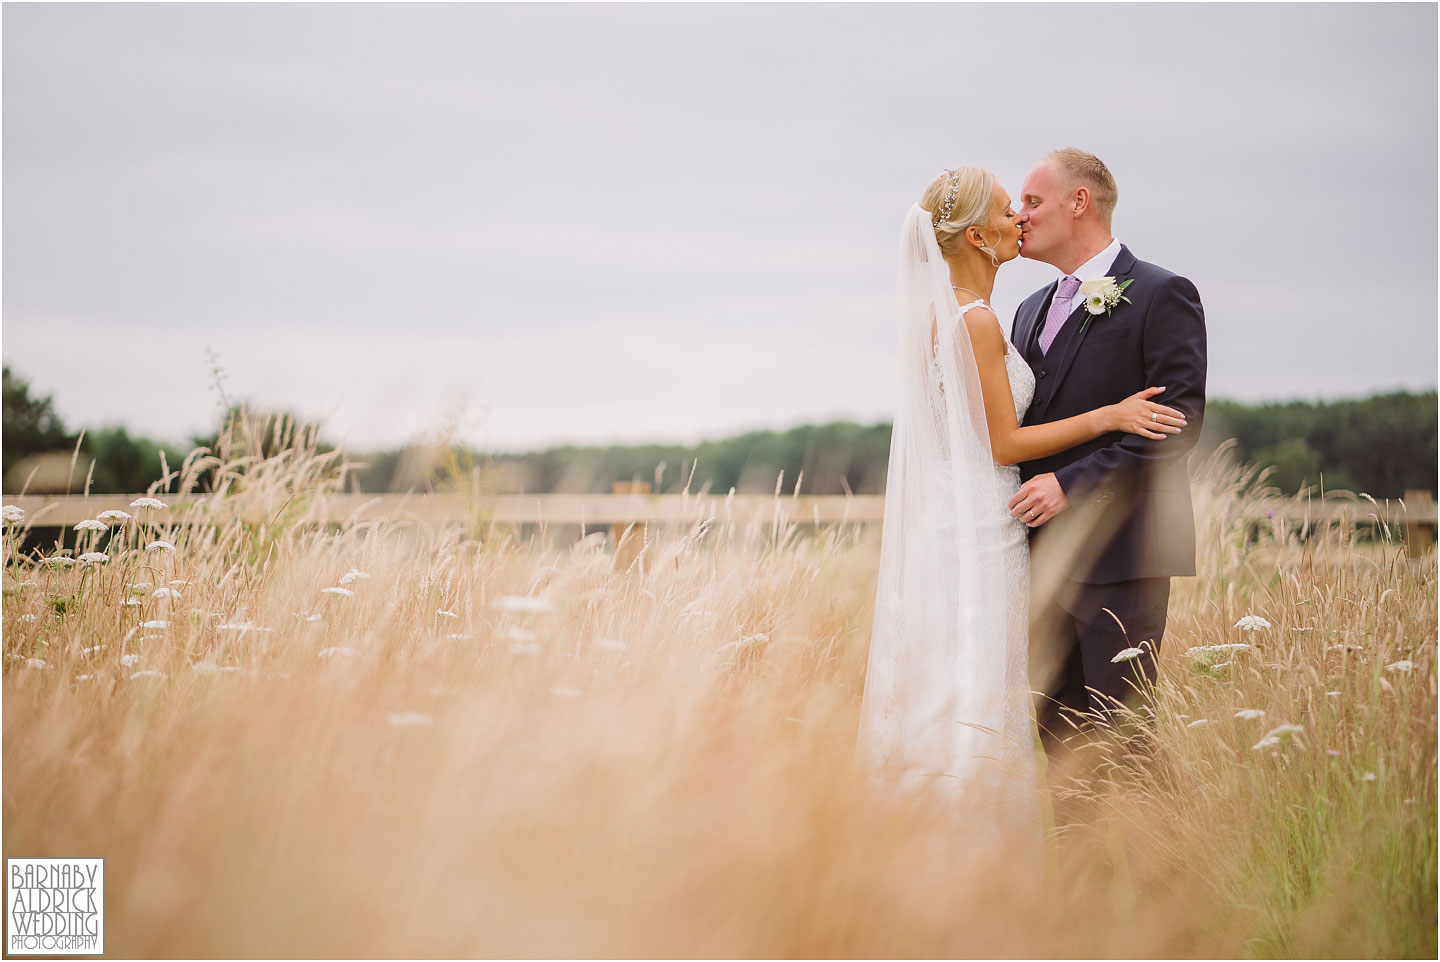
(984, 329)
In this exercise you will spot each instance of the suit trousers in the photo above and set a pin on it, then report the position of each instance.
(1077, 632)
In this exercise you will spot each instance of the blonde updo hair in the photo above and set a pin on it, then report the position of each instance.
(971, 208)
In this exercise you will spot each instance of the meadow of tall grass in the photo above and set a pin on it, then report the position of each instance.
(381, 739)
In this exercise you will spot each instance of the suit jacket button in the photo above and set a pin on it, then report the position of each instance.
(1042, 374)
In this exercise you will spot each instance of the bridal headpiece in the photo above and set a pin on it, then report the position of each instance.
(953, 191)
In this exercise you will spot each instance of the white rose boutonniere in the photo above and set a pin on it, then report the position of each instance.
(1102, 295)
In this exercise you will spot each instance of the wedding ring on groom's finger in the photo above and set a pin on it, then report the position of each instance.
(1154, 415)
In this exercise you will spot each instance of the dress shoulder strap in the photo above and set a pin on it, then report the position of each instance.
(966, 308)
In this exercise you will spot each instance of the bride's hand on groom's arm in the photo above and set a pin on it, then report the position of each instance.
(1039, 499)
(1137, 414)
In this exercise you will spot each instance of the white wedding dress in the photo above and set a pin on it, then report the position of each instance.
(947, 700)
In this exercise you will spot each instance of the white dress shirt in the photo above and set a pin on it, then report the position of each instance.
(1097, 266)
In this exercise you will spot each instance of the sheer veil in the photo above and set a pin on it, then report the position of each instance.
(941, 694)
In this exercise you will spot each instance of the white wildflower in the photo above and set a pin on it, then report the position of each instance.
(159, 546)
(94, 557)
(90, 524)
(1400, 666)
(1266, 742)
(560, 691)
(445, 614)
(12, 513)
(26, 619)
(520, 636)
(1129, 654)
(163, 593)
(1252, 623)
(609, 644)
(37, 663)
(129, 661)
(403, 719)
(84, 677)
(140, 587)
(1368, 777)
(148, 673)
(133, 602)
(155, 503)
(158, 624)
(342, 592)
(1198, 723)
(1202, 650)
(94, 649)
(59, 561)
(337, 653)
(242, 627)
(179, 584)
(1250, 714)
(114, 514)
(354, 574)
(524, 605)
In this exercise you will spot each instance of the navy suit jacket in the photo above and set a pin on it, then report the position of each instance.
(1158, 338)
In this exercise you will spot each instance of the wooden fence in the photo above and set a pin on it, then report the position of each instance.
(1416, 512)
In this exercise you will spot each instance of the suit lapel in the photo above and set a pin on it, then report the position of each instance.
(1120, 270)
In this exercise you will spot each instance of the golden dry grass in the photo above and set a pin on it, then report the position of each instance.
(457, 788)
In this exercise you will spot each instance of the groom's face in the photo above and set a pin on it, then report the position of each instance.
(1042, 213)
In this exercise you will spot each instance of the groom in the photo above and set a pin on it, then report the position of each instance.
(1111, 520)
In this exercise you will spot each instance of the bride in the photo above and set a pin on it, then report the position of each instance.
(946, 690)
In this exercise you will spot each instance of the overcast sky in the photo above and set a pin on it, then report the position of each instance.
(552, 222)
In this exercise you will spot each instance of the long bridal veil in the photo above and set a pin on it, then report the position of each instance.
(945, 691)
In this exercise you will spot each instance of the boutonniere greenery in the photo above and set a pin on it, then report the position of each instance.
(1102, 295)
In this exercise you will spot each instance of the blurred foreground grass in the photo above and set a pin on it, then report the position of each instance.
(658, 762)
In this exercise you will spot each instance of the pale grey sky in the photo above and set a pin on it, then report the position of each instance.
(557, 222)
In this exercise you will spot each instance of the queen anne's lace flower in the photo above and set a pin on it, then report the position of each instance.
(59, 561)
(94, 557)
(158, 624)
(163, 593)
(114, 514)
(129, 661)
(1252, 623)
(342, 592)
(12, 513)
(159, 546)
(1250, 714)
(1400, 666)
(354, 574)
(90, 524)
(154, 503)
(1129, 654)
(525, 605)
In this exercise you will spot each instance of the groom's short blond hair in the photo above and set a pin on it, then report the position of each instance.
(1091, 173)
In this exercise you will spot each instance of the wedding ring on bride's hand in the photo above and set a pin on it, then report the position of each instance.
(1154, 415)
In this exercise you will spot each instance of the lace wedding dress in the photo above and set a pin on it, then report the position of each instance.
(946, 700)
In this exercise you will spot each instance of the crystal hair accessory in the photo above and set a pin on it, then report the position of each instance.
(950, 196)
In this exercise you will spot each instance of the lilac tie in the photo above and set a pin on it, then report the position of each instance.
(1059, 311)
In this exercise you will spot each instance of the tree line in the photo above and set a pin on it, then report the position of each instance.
(1382, 445)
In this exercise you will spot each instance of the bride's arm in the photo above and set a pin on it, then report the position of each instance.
(1011, 443)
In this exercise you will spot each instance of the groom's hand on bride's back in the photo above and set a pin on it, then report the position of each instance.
(1038, 500)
